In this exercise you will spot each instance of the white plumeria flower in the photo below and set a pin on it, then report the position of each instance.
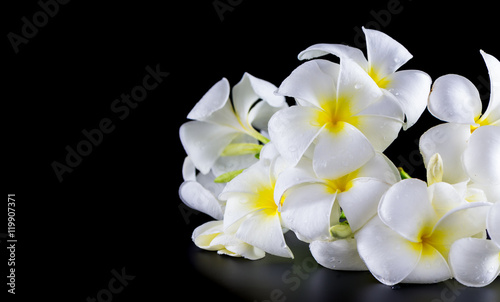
(455, 99)
(251, 212)
(340, 111)
(311, 207)
(410, 239)
(200, 191)
(211, 236)
(471, 161)
(385, 56)
(476, 262)
(225, 128)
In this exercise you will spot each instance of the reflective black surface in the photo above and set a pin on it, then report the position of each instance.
(302, 279)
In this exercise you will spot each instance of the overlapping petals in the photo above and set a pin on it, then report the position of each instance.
(339, 108)
(420, 223)
(385, 57)
(251, 211)
(476, 262)
(455, 99)
(219, 122)
(261, 168)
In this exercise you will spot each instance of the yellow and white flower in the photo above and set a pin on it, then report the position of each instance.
(410, 239)
(341, 113)
(251, 213)
(385, 57)
(222, 127)
(455, 99)
(312, 207)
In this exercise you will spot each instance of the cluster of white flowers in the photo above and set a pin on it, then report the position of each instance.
(317, 168)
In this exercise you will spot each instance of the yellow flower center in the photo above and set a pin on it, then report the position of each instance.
(335, 113)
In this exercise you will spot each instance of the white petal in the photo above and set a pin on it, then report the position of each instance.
(339, 50)
(388, 256)
(261, 113)
(195, 196)
(455, 99)
(292, 131)
(360, 202)
(188, 170)
(482, 155)
(307, 211)
(449, 140)
(248, 91)
(444, 198)
(411, 88)
(380, 167)
(205, 233)
(247, 193)
(234, 247)
(385, 54)
(300, 174)
(475, 262)
(340, 151)
(262, 229)
(493, 223)
(380, 122)
(340, 254)
(431, 268)
(464, 221)
(356, 90)
(492, 113)
(214, 99)
(204, 142)
(314, 81)
(406, 209)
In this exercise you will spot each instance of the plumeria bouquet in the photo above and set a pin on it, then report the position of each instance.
(317, 168)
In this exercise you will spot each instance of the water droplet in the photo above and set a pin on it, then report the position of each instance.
(358, 86)
(292, 149)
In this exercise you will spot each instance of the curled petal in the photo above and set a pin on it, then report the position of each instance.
(482, 155)
(492, 113)
(248, 91)
(339, 254)
(194, 195)
(210, 236)
(339, 50)
(455, 99)
(214, 99)
(475, 262)
(385, 55)
(313, 82)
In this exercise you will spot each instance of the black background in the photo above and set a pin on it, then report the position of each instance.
(119, 208)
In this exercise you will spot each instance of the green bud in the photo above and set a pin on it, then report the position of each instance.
(227, 177)
(341, 231)
(241, 149)
(403, 173)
